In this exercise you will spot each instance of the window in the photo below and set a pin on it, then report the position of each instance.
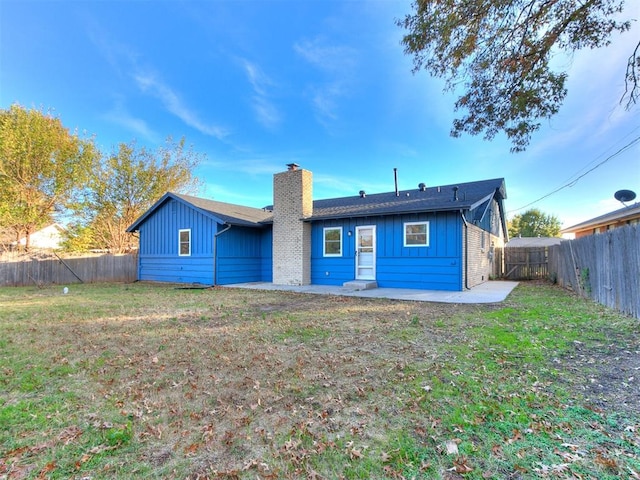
(332, 242)
(416, 234)
(184, 241)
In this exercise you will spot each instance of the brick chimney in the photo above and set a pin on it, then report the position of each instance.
(292, 201)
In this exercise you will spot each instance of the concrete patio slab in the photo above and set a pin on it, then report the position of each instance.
(488, 292)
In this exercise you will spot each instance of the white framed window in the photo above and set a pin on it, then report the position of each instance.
(184, 242)
(332, 244)
(416, 234)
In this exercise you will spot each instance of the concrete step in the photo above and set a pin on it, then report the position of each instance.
(356, 285)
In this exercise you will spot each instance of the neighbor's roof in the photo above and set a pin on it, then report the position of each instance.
(221, 212)
(626, 213)
(533, 242)
(443, 198)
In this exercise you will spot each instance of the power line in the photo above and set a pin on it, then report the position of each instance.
(573, 182)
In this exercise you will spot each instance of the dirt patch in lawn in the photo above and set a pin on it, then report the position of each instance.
(606, 374)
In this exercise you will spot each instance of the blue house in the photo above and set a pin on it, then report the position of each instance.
(436, 238)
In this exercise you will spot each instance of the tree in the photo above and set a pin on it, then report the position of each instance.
(42, 166)
(501, 52)
(123, 186)
(534, 223)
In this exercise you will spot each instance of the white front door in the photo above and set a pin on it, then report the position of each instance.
(366, 253)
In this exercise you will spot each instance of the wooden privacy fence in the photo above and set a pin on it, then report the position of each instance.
(53, 269)
(526, 263)
(604, 267)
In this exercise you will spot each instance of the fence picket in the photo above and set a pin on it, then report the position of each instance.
(49, 269)
(604, 267)
(526, 263)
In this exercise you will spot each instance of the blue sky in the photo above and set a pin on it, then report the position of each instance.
(255, 85)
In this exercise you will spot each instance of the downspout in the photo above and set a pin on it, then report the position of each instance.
(139, 261)
(466, 250)
(215, 252)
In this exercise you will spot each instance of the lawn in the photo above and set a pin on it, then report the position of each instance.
(155, 381)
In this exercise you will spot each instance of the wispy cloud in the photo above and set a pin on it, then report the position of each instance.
(250, 166)
(329, 186)
(118, 55)
(329, 58)
(266, 112)
(121, 116)
(123, 59)
(338, 64)
(150, 83)
(222, 193)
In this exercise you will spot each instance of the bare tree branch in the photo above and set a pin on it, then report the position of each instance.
(632, 79)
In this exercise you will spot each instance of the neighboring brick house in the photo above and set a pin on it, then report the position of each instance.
(629, 215)
(436, 238)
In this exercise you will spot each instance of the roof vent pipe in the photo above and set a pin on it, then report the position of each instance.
(455, 194)
(395, 179)
(362, 194)
(422, 187)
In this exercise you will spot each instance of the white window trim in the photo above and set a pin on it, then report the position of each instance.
(404, 234)
(324, 242)
(180, 242)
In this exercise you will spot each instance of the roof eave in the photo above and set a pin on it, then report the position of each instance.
(169, 195)
(627, 213)
(374, 213)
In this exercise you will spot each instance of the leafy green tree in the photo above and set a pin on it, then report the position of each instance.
(534, 223)
(123, 186)
(42, 167)
(500, 50)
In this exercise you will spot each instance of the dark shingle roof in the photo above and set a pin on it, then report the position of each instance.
(467, 196)
(223, 212)
(433, 199)
(229, 212)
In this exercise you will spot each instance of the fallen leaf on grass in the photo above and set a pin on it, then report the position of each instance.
(49, 467)
(461, 465)
(606, 462)
(69, 434)
(354, 453)
(387, 456)
(516, 436)
(192, 449)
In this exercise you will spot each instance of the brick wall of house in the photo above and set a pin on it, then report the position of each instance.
(481, 246)
(292, 201)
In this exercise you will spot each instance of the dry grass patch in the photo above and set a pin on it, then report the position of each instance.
(153, 381)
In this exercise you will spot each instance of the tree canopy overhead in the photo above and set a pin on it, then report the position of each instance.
(500, 51)
(42, 165)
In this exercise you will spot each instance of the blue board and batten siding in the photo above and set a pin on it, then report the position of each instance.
(434, 267)
(241, 256)
(159, 260)
(239, 250)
